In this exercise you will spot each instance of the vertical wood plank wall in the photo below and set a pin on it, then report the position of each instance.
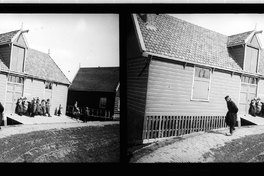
(59, 96)
(3, 80)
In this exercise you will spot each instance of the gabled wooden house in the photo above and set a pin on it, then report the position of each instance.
(96, 88)
(178, 74)
(29, 73)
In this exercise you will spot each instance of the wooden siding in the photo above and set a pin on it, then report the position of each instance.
(20, 41)
(254, 42)
(3, 80)
(18, 58)
(169, 126)
(137, 77)
(251, 59)
(260, 90)
(237, 52)
(5, 54)
(170, 87)
(59, 96)
(33, 88)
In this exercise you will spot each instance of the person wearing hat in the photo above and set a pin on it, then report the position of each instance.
(252, 108)
(258, 107)
(231, 115)
(19, 107)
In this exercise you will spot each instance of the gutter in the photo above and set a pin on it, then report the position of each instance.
(147, 54)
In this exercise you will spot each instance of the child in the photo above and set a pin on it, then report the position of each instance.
(59, 110)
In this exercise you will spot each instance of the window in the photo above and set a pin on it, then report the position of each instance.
(201, 84)
(15, 79)
(102, 103)
(248, 80)
(48, 85)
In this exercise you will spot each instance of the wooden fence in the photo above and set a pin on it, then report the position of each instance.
(98, 113)
(168, 126)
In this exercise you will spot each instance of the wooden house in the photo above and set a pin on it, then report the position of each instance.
(178, 74)
(25, 72)
(96, 88)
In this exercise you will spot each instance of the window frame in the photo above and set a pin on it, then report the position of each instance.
(50, 85)
(209, 81)
(100, 104)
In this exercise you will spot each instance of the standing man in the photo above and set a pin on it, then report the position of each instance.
(231, 115)
(1, 113)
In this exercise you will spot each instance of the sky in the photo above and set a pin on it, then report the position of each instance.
(227, 24)
(86, 40)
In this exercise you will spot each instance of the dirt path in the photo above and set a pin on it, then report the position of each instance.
(20, 129)
(76, 142)
(201, 147)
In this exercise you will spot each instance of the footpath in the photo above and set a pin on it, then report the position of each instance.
(198, 147)
(26, 128)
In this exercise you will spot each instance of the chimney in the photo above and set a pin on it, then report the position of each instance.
(48, 51)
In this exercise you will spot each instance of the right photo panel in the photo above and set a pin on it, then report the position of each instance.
(195, 87)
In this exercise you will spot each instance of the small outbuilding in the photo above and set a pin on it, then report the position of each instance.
(96, 88)
(178, 74)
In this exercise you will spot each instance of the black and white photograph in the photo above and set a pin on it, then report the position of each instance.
(59, 88)
(195, 87)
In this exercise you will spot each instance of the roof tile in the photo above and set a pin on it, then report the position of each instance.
(103, 79)
(7, 37)
(176, 38)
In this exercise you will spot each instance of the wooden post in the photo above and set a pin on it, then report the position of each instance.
(176, 125)
(162, 128)
(173, 125)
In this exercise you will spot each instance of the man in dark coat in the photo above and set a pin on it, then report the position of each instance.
(231, 115)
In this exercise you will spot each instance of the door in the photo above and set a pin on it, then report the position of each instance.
(14, 91)
(247, 93)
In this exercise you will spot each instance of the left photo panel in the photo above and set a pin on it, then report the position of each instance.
(59, 88)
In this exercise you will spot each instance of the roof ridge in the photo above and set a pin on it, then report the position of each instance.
(9, 32)
(241, 33)
(194, 24)
(97, 67)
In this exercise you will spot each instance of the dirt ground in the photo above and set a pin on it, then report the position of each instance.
(246, 145)
(79, 142)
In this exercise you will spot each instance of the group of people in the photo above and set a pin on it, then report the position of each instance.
(256, 108)
(33, 107)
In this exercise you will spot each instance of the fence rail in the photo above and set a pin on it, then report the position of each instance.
(100, 113)
(168, 126)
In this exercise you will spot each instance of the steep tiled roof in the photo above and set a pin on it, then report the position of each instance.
(7, 37)
(179, 39)
(41, 65)
(104, 79)
(238, 38)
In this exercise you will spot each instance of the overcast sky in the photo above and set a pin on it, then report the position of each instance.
(227, 24)
(90, 40)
